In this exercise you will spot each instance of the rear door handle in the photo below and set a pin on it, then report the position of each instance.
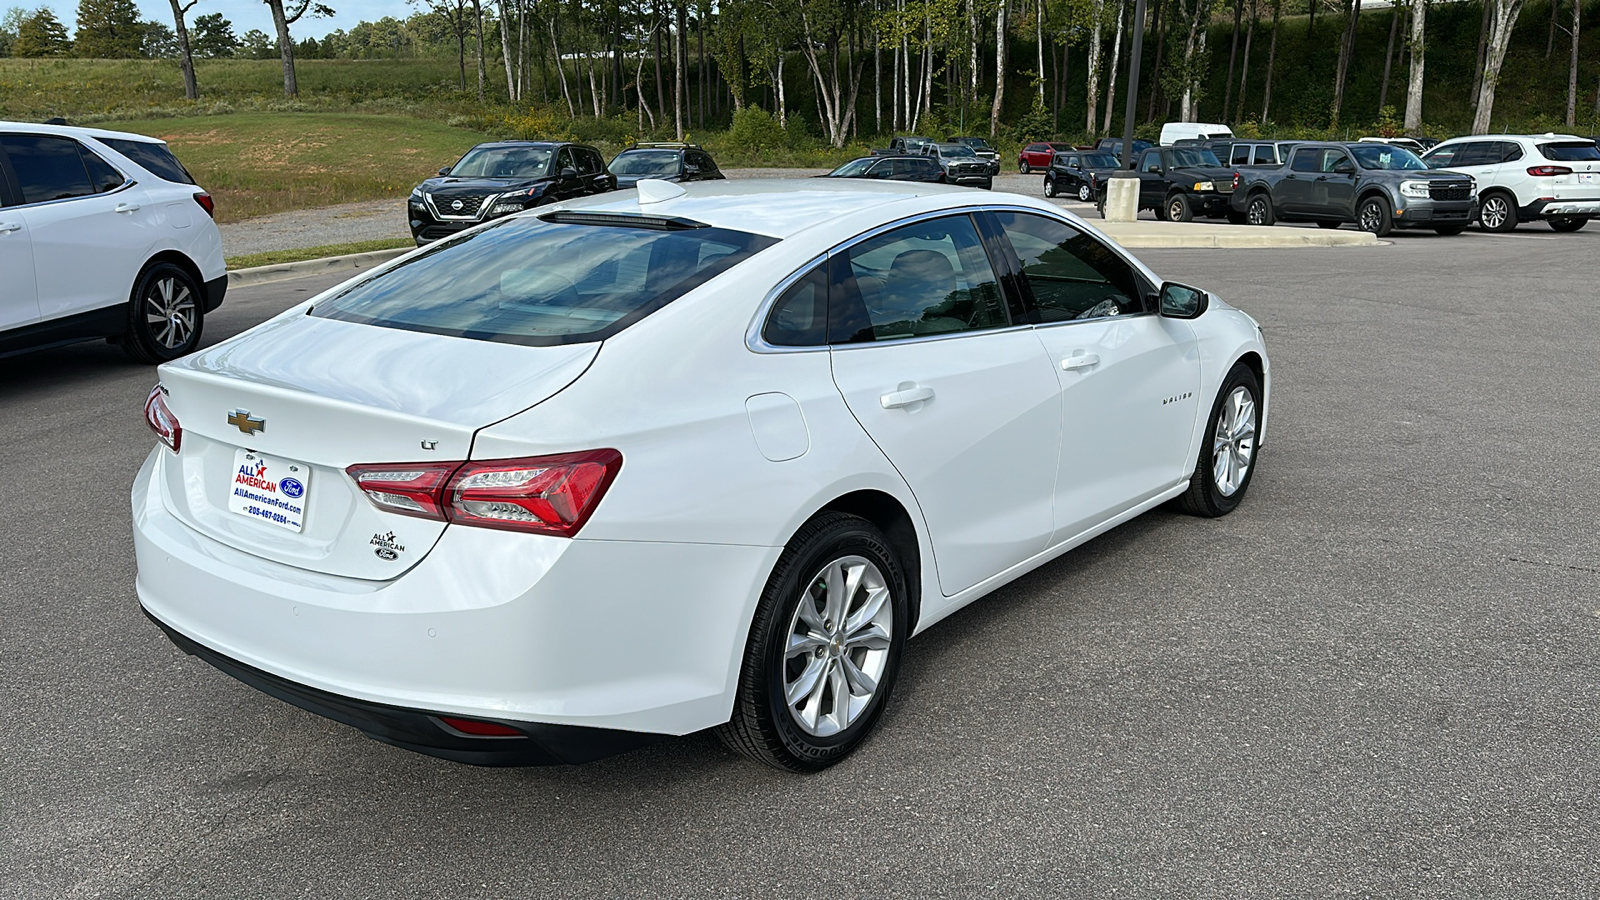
(906, 396)
(126, 207)
(8, 227)
(1081, 361)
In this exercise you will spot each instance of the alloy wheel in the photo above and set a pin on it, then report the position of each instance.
(169, 309)
(1493, 214)
(1233, 444)
(1371, 217)
(1258, 211)
(1084, 193)
(838, 647)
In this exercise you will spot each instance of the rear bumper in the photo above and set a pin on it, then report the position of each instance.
(216, 289)
(557, 638)
(1560, 209)
(422, 731)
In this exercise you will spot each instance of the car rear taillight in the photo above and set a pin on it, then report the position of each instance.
(551, 495)
(1545, 171)
(161, 420)
(409, 489)
(1236, 181)
(206, 203)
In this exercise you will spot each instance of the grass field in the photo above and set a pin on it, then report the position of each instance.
(258, 163)
(277, 257)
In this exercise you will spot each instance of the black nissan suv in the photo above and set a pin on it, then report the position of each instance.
(500, 178)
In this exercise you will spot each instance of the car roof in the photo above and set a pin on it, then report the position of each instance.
(77, 131)
(1547, 136)
(784, 207)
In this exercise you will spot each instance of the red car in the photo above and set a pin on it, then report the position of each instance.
(1038, 156)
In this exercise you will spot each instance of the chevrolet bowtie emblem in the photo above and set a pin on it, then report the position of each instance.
(242, 420)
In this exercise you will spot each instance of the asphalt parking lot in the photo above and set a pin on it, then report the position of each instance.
(1377, 678)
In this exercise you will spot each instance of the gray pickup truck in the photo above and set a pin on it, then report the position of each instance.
(1376, 186)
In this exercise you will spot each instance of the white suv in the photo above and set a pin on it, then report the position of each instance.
(103, 235)
(1525, 177)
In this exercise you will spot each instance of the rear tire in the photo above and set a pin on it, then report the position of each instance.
(1049, 186)
(1024, 168)
(166, 314)
(1567, 225)
(1498, 213)
(1259, 210)
(828, 631)
(1084, 194)
(1228, 448)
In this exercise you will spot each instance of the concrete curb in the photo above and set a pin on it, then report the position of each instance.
(1180, 235)
(286, 271)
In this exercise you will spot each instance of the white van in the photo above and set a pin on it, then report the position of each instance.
(1172, 132)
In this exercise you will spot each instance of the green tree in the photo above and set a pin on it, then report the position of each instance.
(108, 29)
(41, 34)
(8, 29)
(257, 45)
(213, 37)
(159, 42)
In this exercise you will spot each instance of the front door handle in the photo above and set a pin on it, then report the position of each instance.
(1081, 361)
(906, 396)
(8, 227)
(126, 207)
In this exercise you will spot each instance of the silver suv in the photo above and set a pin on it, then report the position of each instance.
(1527, 177)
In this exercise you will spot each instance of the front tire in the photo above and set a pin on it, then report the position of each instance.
(1566, 225)
(165, 315)
(1228, 449)
(1374, 216)
(824, 648)
(1178, 208)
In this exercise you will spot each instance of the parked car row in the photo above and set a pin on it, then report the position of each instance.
(504, 177)
(1377, 184)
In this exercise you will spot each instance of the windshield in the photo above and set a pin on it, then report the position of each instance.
(955, 150)
(502, 162)
(853, 168)
(1099, 161)
(975, 143)
(1570, 151)
(646, 162)
(1187, 157)
(1383, 156)
(523, 280)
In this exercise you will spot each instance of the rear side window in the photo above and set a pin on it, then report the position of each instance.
(101, 175)
(538, 283)
(154, 157)
(800, 317)
(1264, 155)
(1571, 151)
(47, 167)
(1307, 160)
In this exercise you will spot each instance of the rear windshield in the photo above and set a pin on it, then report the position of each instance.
(646, 162)
(154, 157)
(527, 281)
(1570, 151)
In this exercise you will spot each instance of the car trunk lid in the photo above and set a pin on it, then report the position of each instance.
(272, 419)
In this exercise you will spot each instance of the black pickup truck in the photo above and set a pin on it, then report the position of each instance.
(1376, 186)
(905, 145)
(1180, 183)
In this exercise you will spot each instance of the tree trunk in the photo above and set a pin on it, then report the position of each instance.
(1417, 45)
(1093, 95)
(1160, 29)
(1116, 58)
(1233, 56)
(638, 87)
(191, 89)
(1388, 57)
(596, 95)
(1244, 67)
(661, 87)
(483, 72)
(927, 56)
(1550, 39)
(678, 42)
(1483, 40)
(291, 87)
(505, 50)
(877, 80)
(972, 40)
(561, 71)
(1038, 34)
(1311, 22)
(783, 105)
(1002, 50)
(1347, 48)
(1272, 59)
(1505, 18)
(1572, 70)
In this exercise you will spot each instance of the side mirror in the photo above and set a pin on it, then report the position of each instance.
(445, 171)
(569, 172)
(1179, 301)
(1344, 167)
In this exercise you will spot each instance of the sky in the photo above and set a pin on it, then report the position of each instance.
(247, 14)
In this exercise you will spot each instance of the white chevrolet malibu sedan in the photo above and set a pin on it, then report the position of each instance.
(700, 456)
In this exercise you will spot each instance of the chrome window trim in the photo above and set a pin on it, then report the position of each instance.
(126, 183)
(753, 340)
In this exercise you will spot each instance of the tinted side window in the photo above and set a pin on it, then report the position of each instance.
(1264, 155)
(921, 279)
(1241, 155)
(47, 167)
(1306, 160)
(155, 157)
(799, 318)
(101, 174)
(1509, 152)
(1478, 153)
(564, 160)
(1152, 163)
(1072, 275)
